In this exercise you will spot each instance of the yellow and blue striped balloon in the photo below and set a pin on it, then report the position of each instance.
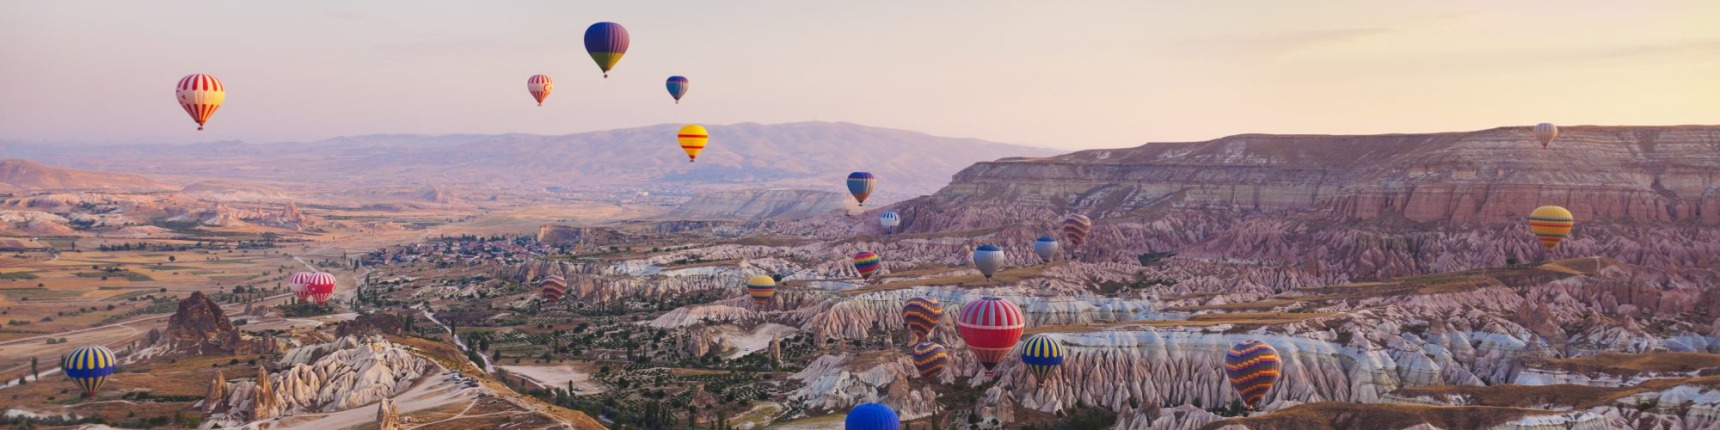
(1042, 355)
(89, 367)
(1253, 368)
(921, 314)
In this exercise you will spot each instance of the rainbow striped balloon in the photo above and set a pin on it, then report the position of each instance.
(921, 314)
(930, 359)
(1253, 368)
(867, 263)
(1042, 355)
(762, 289)
(1551, 224)
(89, 367)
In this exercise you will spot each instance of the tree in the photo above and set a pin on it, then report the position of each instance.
(33, 372)
(171, 259)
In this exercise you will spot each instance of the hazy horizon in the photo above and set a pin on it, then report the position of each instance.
(1134, 72)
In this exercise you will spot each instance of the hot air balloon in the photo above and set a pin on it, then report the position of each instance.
(1253, 368)
(553, 288)
(200, 95)
(872, 416)
(540, 86)
(762, 288)
(867, 263)
(1075, 229)
(320, 285)
(693, 138)
(921, 315)
(677, 87)
(860, 185)
(1042, 355)
(606, 42)
(89, 367)
(299, 284)
(1545, 133)
(889, 220)
(1046, 247)
(990, 326)
(987, 258)
(930, 359)
(1551, 225)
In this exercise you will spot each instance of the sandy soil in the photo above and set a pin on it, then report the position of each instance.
(558, 376)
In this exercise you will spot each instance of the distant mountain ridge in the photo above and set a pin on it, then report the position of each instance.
(815, 155)
(18, 174)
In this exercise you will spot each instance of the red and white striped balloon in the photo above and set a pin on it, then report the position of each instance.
(321, 286)
(540, 86)
(991, 326)
(200, 95)
(299, 283)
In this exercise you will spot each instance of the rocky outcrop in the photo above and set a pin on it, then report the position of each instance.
(387, 418)
(264, 401)
(561, 235)
(347, 373)
(216, 394)
(371, 324)
(200, 327)
(761, 204)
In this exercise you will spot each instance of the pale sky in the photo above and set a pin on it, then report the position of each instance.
(1059, 74)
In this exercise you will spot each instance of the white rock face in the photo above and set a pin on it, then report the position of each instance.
(348, 373)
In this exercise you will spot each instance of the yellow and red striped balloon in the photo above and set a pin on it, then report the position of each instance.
(930, 359)
(200, 95)
(1551, 224)
(693, 138)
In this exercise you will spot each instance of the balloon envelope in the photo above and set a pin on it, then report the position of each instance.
(540, 86)
(889, 220)
(606, 42)
(677, 87)
(299, 284)
(89, 367)
(320, 285)
(991, 326)
(693, 139)
(1046, 247)
(860, 185)
(200, 95)
(762, 288)
(921, 315)
(554, 287)
(1551, 224)
(930, 359)
(1253, 368)
(872, 416)
(1545, 133)
(987, 258)
(1075, 229)
(1042, 355)
(867, 263)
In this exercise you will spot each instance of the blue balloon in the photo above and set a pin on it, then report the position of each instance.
(872, 416)
(677, 87)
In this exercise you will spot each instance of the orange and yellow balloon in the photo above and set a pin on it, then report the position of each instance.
(1551, 224)
(693, 138)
